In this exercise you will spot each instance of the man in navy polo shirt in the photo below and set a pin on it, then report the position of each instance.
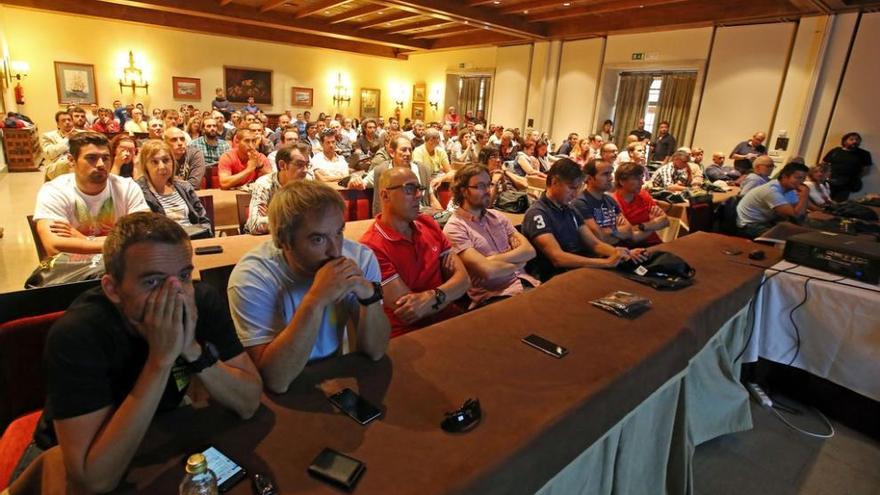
(558, 232)
(599, 210)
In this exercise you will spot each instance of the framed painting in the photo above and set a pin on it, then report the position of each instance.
(370, 99)
(186, 88)
(418, 111)
(302, 97)
(75, 83)
(419, 92)
(243, 82)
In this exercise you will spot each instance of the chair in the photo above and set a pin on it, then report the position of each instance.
(242, 205)
(38, 243)
(218, 278)
(212, 177)
(208, 203)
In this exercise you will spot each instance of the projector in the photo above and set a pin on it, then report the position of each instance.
(846, 255)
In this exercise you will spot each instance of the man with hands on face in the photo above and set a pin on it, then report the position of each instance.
(421, 275)
(243, 163)
(293, 296)
(129, 349)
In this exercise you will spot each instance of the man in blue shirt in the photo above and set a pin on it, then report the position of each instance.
(785, 198)
(292, 297)
(745, 153)
(761, 175)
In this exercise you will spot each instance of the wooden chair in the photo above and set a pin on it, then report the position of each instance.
(208, 203)
(38, 243)
(242, 205)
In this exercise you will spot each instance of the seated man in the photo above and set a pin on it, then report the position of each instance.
(78, 115)
(678, 175)
(129, 349)
(327, 165)
(241, 165)
(55, 147)
(369, 142)
(105, 123)
(421, 276)
(288, 137)
(719, 171)
(417, 134)
(75, 211)
(156, 129)
(292, 296)
(210, 143)
(785, 198)
(293, 164)
(136, 124)
(189, 163)
(401, 156)
(762, 168)
(558, 232)
(637, 205)
(493, 252)
(599, 210)
(431, 153)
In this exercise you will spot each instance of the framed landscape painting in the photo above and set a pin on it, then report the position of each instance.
(75, 83)
(242, 82)
(302, 97)
(186, 88)
(419, 92)
(418, 111)
(370, 99)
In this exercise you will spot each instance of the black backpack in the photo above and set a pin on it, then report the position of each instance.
(662, 271)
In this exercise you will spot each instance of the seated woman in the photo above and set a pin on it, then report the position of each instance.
(820, 191)
(194, 127)
(582, 152)
(123, 149)
(527, 163)
(637, 206)
(176, 199)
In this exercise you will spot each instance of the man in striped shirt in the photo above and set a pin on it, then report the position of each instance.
(293, 163)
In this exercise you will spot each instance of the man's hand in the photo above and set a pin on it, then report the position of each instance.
(162, 325)
(638, 255)
(803, 192)
(611, 261)
(336, 279)
(191, 349)
(414, 306)
(254, 162)
(356, 182)
(62, 228)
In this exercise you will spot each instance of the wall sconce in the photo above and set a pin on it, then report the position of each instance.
(133, 77)
(434, 99)
(399, 94)
(341, 93)
(18, 70)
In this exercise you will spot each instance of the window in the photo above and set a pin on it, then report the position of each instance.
(653, 103)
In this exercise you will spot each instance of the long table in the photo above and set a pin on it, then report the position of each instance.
(540, 415)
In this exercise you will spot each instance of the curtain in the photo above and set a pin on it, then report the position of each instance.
(676, 94)
(469, 95)
(632, 101)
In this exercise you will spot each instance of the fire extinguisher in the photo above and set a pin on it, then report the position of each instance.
(19, 94)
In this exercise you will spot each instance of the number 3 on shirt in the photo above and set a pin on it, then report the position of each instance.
(539, 222)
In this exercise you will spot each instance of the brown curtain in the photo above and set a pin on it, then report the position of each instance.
(469, 96)
(632, 101)
(676, 94)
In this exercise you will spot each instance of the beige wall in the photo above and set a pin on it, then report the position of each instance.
(742, 85)
(509, 97)
(576, 87)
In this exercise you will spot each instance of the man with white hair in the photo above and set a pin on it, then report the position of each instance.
(432, 154)
(343, 144)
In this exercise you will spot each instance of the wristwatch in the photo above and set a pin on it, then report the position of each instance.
(439, 299)
(641, 227)
(208, 358)
(377, 295)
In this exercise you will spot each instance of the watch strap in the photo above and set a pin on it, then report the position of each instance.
(377, 295)
(208, 358)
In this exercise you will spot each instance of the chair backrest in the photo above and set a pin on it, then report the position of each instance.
(38, 243)
(208, 203)
(213, 176)
(218, 278)
(242, 204)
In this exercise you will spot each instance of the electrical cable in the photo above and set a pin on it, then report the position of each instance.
(805, 432)
(797, 331)
(751, 311)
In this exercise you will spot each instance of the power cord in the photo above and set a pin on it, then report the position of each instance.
(762, 398)
(751, 312)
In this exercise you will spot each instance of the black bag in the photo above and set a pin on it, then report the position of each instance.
(512, 202)
(64, 268)
(668, 196)
(851, 209)
(662, 271)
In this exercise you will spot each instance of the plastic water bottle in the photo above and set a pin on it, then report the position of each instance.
(199, 480)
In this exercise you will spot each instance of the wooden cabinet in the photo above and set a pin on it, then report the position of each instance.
(22, 149)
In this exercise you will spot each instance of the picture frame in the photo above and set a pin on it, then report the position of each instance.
(242, 82)
(186, 88)
(420, 92)
(370, 103)
(418, 111)
(75, 83)
(302, 97)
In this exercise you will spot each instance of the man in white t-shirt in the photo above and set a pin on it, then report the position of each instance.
(75, 211)
(327, 165)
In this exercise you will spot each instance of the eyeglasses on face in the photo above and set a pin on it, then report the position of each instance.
(480, 186)
(409, 189)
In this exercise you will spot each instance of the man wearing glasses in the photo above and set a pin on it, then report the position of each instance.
(293, 164)
(74, 212)
(421, 275)
(762, 168)
(401, 156)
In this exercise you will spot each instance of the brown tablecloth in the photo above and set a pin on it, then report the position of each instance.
(539, 413)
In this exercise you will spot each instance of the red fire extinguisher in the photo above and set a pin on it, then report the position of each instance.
(19, 94)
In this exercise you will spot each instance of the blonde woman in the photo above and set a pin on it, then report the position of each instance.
(582, 152)
(194, 127)
(174, 198)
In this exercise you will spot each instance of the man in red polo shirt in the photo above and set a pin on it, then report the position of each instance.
(421, 275)
(242, 164)
(637, 206)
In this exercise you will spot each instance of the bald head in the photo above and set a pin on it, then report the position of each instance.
(758, 137)
(395, 176)
(763, 165)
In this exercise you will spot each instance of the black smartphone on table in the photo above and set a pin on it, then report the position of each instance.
(546, 346)
(227, 471)
(358, 408)
(209, 250)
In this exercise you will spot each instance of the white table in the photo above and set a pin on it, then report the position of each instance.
(839, 326)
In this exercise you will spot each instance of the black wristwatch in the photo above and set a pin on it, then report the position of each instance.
(377, 295)
(641, 227)
(439, 299)
(208, 358)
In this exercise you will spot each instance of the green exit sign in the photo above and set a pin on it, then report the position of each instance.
(638, 56)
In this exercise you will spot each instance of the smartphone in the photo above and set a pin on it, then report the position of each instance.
(209, 249)
(337, 468)
(228, 472)
(355, 406)
(545, 345)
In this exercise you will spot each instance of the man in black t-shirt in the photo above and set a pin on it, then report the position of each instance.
(849, 163)
(665, 145)
(130, 348)
(640, 132)
(599, 210)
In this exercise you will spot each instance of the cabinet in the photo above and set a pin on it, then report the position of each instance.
(22, 149)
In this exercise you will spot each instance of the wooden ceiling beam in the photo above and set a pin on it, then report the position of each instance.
(441, 33)
(352, 14)
(486, 39)
(380, 22)
(272, 5)
(189, 23)
(453, 11)
(225, 2)
(602, 7)
(242, 14)
(419, 26)
(317, 7)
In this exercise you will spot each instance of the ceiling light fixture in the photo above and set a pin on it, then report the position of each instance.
(566, 4)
